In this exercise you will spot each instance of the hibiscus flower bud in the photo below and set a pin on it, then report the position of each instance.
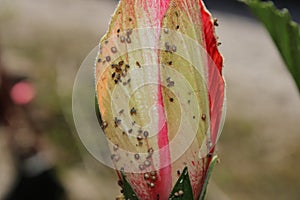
(160, 93)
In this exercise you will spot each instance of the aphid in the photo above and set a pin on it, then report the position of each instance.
(167, 46)
(114, 50)
(147, 163)
(171, 84)
(133, 111)
(124, 73)
(152, 185)
(118, 77)
(104, 125)
(130, 131)
(116, 81)
(174, 48)
(180, 192)
(142, 166)
(128, 81)
(139, 137)
(113, 75)
(128, 40)
(194, 117)
(116, 147)
(114, 65)
(146, 134)
(120, 183)
(118, 31)
(137, 156)
(166, 30)
(122, 39)
(209, 144)
(203, 117)
(153, 173)
(176, 194)
(121, 111)
(171, 100)
(130, 19)
(127, 66)
(170, 63)
(128, 32)
(117, 121)
(177, 27)
(146, 176)
(99, 60)
(150, 152)
(178, 172)
(121, 63)
(219, 43)
(118, 68)
(154, 178)
(108, 58)
(138, 64)
(115, 157)
(216, 22)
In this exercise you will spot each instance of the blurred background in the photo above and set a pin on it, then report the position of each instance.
(42, 44)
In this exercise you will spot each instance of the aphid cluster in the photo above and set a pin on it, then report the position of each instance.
(150, 177)
(170, 82)
(120, 72)
(171, 48)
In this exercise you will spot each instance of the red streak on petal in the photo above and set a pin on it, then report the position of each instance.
(156, 10)
(215, 81)
(210, 38)
(164, 186)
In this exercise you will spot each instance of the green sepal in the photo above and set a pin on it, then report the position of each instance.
(127, 189)
(284, 32)
(183, 184)
(209, 171)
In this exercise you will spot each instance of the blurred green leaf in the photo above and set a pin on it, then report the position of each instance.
(183, 188)
(284, 32)
(210, 169)
(128, 191)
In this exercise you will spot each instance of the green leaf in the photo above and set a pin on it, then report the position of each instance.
(183, 188)
(128, 191)
(284, 32)
(210, 169)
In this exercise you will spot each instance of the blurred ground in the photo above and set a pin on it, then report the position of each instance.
(259, 150)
